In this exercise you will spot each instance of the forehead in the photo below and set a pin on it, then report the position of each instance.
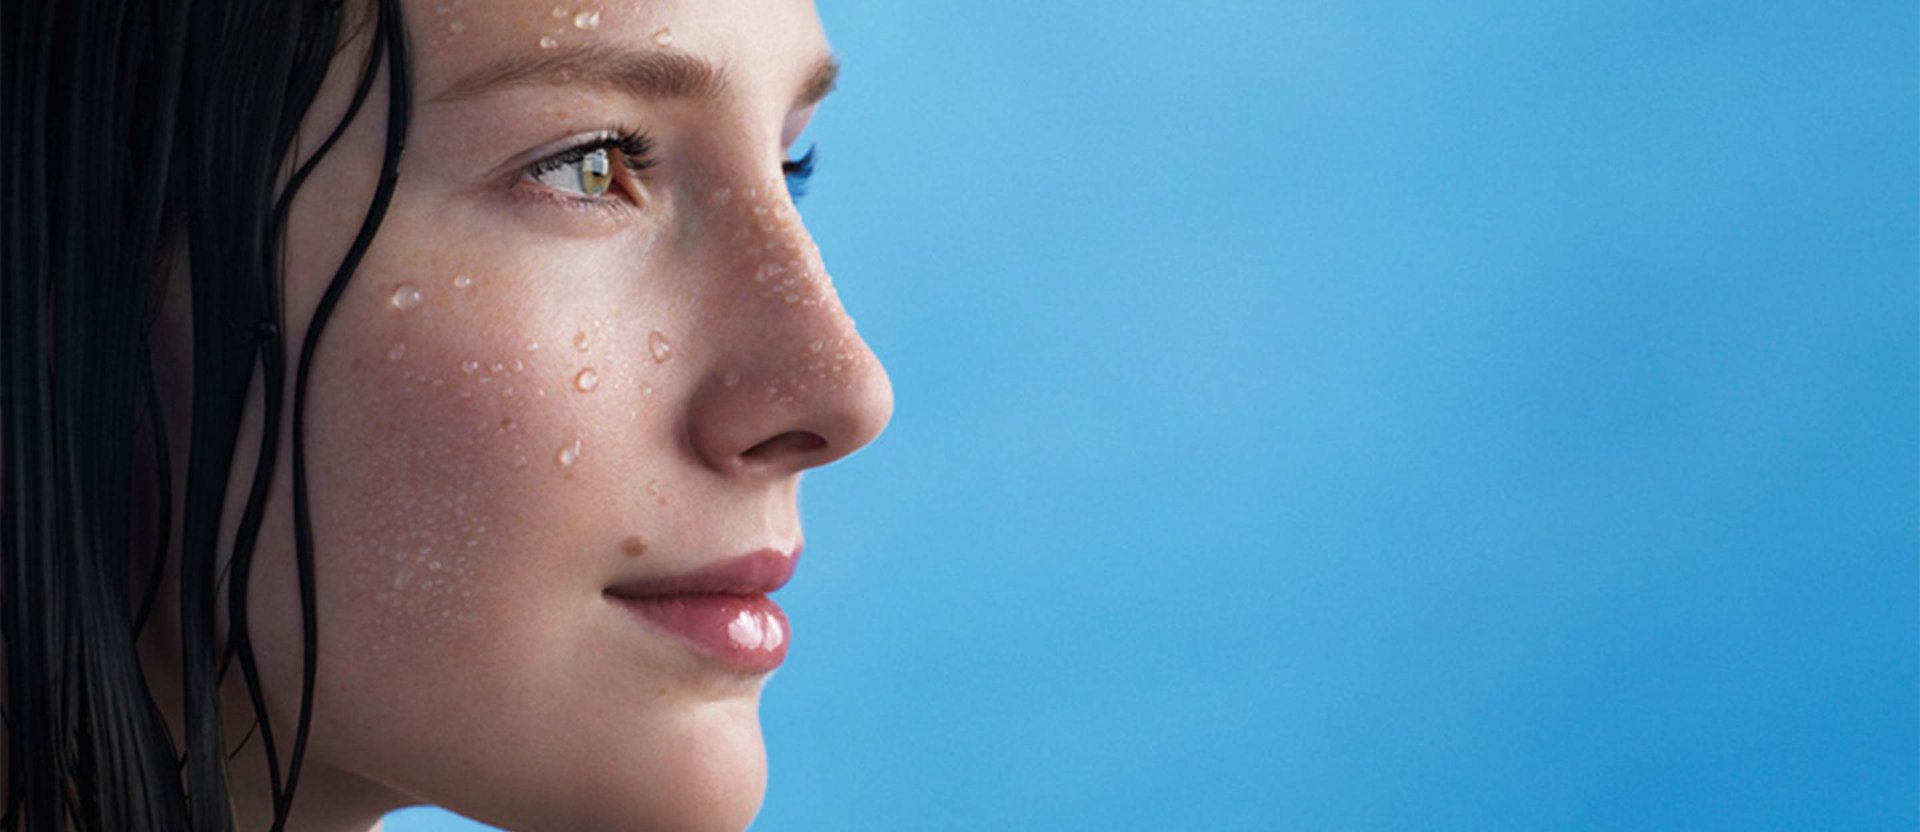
(752, 43)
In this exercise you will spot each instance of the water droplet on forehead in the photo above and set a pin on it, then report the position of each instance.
(586, 381)
(586, 20)
(663, 37)
(406, 296)
(661, 348)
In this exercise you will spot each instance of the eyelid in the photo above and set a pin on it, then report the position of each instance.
(634, 146)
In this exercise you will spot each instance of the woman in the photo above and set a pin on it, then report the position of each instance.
(498, 536)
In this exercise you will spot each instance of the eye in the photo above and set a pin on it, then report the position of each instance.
(585, 171)
(798, 171)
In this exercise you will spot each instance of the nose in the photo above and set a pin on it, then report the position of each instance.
(790, 385)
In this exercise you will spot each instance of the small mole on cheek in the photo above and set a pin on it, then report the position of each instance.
(634, 546)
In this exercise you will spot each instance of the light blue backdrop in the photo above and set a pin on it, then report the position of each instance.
(1364, 415)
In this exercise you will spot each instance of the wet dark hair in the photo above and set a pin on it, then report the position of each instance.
(128, 129)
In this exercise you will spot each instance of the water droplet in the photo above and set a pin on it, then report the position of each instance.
(397, 351)
(517, 365)
(406, 296)
(663, 37)
(661, 348)
(469, 366)
(547, 42)
(816, 346)
(457, 26)
(722, 196)
(559, 12)
(569, 455)
(580, 341)
(586, 380)
(533, 346)
(497, 366)
(400, 580)
(461, 281)
(586, 20)
(732, 380)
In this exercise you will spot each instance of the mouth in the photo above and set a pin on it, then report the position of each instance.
(721, 611)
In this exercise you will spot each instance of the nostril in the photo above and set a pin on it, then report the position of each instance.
(791, 443)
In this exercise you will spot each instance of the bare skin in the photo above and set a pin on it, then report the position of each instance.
(529, 393)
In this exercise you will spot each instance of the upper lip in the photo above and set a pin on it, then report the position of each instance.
(754, 573)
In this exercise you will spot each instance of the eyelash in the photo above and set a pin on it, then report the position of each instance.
(798, 171)
(633, 146)
(635, 149)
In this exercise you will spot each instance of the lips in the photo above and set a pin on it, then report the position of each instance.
(722, 611)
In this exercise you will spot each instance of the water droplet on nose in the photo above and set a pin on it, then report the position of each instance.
(732, 380)
(586, 380)
(568, 455)
(469, 366)
(461, 281)
(580, 341)
(661, 348)
(663, 37)
(406, 296)
(547, 42)
(586, 20)
(397, 351)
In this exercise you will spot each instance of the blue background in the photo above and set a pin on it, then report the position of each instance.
(1362, 415)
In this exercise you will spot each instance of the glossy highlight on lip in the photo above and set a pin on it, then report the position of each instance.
(722, 611)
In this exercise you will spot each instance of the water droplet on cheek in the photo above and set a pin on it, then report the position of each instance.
(406, 296)
(660, 347)
(568, 457)
(586, 20)
(586, 381)
(548, 42)
(580, 341)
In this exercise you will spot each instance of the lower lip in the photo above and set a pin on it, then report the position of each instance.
(748, 632)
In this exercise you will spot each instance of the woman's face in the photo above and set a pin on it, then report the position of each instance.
(591, 348)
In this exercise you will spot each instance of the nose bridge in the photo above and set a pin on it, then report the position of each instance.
(795, 385)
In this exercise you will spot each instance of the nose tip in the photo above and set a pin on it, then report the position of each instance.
(796, 387)
(793, 414)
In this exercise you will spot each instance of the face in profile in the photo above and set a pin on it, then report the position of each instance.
(557, 423)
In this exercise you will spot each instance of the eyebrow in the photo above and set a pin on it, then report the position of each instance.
(644, 74)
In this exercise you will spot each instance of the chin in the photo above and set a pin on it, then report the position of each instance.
(702, 770)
